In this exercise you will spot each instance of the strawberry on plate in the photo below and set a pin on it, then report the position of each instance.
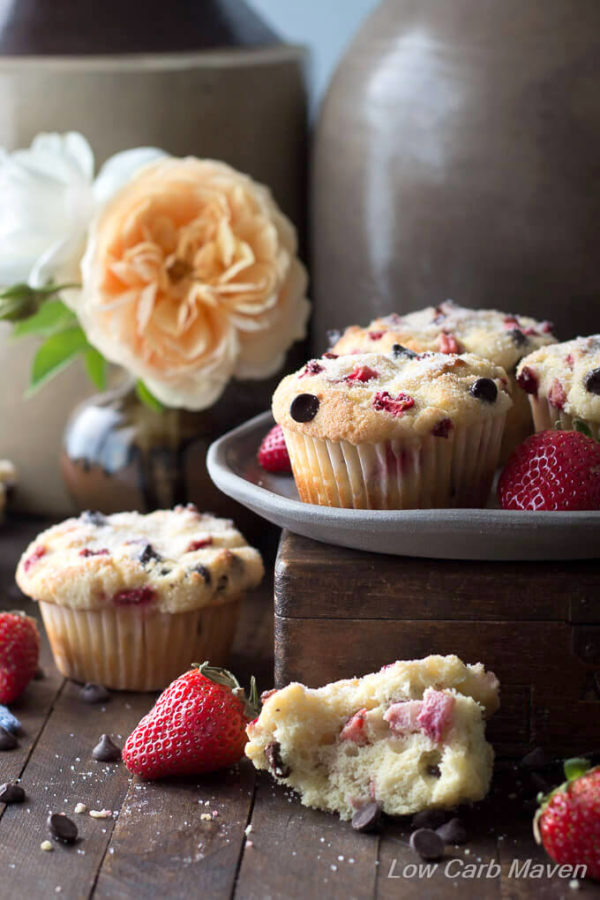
(552, 470)
(19, 653)
(568, 821)
(197, 725)
(272, 454)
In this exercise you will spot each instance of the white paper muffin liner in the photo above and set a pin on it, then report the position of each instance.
(433, 472)
(136, 648)
(545, 416)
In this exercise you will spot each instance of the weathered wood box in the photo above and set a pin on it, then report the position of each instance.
(340, 613)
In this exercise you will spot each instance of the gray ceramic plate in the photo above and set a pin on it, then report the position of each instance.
(492, 534)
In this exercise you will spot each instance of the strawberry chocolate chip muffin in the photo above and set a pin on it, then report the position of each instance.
(400, 431)
(130, 601)
(562, 383)
(409, 737)
(503, 338)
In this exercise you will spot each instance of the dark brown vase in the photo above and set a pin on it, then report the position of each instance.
(457, 156)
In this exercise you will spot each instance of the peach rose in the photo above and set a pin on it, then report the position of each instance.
(190, 276)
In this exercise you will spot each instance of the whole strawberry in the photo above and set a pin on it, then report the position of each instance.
(552, 470)
(568, 822)
(272, 454)
(19, 653)
(198, 724)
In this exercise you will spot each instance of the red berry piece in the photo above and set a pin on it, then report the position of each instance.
(272, 454)
(396, 406)
(362, 373)
(35, 555)
(311, 368)
(449, 344)
(376, 335)
(528, 381)
(552, 470)
(198, 545)
(19, 652)
(88, 552)
(442, 429)
(557, 395)
(134, 597)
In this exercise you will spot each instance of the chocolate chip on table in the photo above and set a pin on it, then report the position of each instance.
(62, 828)
(304, 407)
(276, 764)
(367, 818)
(453, 832)
(11, 793)
(427, 843)
(149, 554)
(106, 750)
(7, 740)
(484, 389)
(39, 674)
(591, 381)
(536, 759)
(399, 350)
(91, 517)
(94, 693)
(429, 818)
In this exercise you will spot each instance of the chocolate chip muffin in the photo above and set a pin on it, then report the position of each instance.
(503, 338)
(401, 431)
(131, 601)
(407, 738)
(562, 383)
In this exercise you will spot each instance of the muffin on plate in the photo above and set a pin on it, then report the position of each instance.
(131, 600)
(407, 738)
(402, 431)
(449, 328)
(562, 382)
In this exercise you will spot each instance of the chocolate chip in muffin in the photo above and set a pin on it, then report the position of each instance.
(276, 764)
(222, 582)
(591, 382)
(149, 554)
(304, 407)
(484, 389)
(204, 573)
(519, 338)
(92, 517)
(399, 350)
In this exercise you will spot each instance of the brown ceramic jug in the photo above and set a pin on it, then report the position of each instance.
(458, 155)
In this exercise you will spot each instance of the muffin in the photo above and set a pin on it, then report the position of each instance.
(562, 382)
(409, 737)
(394, 432)
(448, 328)
(131, 601)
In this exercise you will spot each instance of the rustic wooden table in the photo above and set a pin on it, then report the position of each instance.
(258, 843)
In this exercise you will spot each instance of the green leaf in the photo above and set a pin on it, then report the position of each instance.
(576, 767)
(52, 316)
(55, 354)
(148, 398)
(17, 302)
(95, 366)
(578, 425)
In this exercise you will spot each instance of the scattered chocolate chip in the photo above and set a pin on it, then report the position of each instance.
(591, 382)
(484, 389)
(535, 759)
(94, 693)
(276, 764)
(429, 818)
(434, 771)
(62, 828)
(7, 740)
(304, 407)
(204, 572)
(453, 832)
(91, 517)
(106, 750)
(518, 337)
(11, 793)
(367, 818)
(399, 350)
(333, 336)
(148, 554)
(39, 674)
(427, 843)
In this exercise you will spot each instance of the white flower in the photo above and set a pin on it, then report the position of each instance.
(48, 199)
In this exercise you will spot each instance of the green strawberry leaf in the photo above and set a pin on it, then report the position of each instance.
(95, 366)
(52, 316)
(148, 398)
(576, 767)
(55, 354)
(582, 427)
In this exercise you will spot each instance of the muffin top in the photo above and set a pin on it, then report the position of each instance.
(567, 374)
(367, 398)
(448, 328)
(173, 560)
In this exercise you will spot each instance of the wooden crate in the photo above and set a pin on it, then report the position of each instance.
(340, 613)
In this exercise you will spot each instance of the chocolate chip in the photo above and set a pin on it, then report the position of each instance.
(427, 843)
(11, 793)
(429, 818)
(222, 582)
(591, 381)
(367, 818)
(94, 693)
(106, 750)
(518, 337)
(535, 759)
(399, 350)
(304, 407)
(39, 674)
(333, 336)
(434, 771)
(148, 554)
(484, 389)
(7, 740)
(91, 517)
(453, 832)
(62, 828)
(166, 571)
(204, 572)
(276, 764)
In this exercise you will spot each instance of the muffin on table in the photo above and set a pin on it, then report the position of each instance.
(402, 431)
(562, 382)
(131, 600)
(449, 328)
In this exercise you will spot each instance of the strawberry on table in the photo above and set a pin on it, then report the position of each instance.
(272, 454)
(568, 821)
(552, 470)
(19, 652)
(197, 725)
